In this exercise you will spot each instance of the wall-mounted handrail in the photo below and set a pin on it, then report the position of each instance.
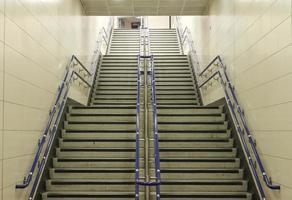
(186, 36)
(69, 73)
(241, 123)
(50, 130)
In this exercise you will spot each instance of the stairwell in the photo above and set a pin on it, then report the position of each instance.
(95, 155)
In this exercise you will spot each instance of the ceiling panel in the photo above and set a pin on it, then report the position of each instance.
(144, 7)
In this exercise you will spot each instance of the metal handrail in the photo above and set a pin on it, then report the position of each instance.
(54, 119)
(155, 130)
(137, 162)
(186, 36)
(42, 141)
(229, 89)
(139, 183)
(81, 64)
(157, 182)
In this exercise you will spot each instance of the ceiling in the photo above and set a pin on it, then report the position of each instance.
(144, 7)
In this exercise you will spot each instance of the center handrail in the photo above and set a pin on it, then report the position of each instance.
(157, 182)
(155, 129)
(229, 89)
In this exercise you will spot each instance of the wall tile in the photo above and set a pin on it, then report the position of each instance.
(20, 143)
(24, 93)
(275, 92)
(15, 117)
(275, 143)
(11, 193)
(274, 67)
(1, 86)
(12, 173)
(19, 66)
(21, 41)
(1, 115)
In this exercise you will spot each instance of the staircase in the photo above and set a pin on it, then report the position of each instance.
(95, 156)
(197, 152)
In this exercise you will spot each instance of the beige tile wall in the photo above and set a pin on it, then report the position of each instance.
(254, 37)
(37, 37)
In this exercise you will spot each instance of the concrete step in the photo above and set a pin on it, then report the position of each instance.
(198, 152)
(173, 97)
(205, 195)
(168, 163)
(178, 102)
(119, 163)
(198, 163)
(178, 79)
(116, 92)
(190, 119)
(176, 92)
(115, 101)
(100, 111)
(113, 83)
(117, 88)
(94, 173)
(193, 134)
(99, 135)
(91, 185)
(192, 127)
(101, 119)
(205, 143)
(203, 186)
(88, 195)
(130, 152)
(104, 142)
(200, 174)
(191, 111)
(112, 127)
(115, 96)
(96, 143)
(174, 88)
(97, 152)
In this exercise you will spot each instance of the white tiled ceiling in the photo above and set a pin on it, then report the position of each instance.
(144, 7)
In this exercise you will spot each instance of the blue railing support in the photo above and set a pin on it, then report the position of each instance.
(228, 88)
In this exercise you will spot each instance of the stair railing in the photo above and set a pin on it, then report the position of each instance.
(155, 129)
(240, 121)
(53, 122)
(185, 37)
(137, 161)
(157, 182)
(55, 114)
